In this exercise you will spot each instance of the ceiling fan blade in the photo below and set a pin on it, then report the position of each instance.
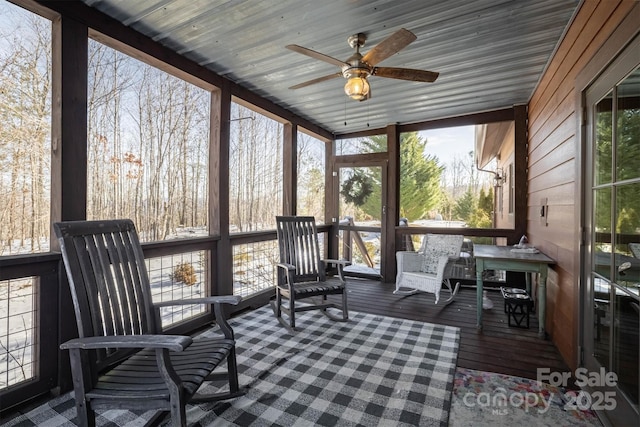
(316, 55)
(387, 47)
(317, 80)
(406, 74)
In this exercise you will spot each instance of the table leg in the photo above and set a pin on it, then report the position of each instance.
(542, 302)
(479, 284)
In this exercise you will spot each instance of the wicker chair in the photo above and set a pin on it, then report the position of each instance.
(430, 267)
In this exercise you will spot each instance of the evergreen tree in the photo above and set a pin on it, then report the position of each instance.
(482, 216)
(420, 176)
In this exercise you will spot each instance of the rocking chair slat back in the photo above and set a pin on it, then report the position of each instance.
(121, 359)
(116, 284)
(298, 244)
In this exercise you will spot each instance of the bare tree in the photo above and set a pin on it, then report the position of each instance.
(255, 176)
(25, 117)
(148, 136)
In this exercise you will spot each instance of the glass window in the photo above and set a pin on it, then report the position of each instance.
(603, 143)
(311, 176)
(25, 131)
(255, 170)
(148, 143)
(615, 213)
(628, 130)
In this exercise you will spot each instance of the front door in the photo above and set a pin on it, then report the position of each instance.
(611, 304)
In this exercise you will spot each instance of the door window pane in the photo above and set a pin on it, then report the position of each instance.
(628, 128)
(602, 321)
(627, 234)
(603, 141)
(602, 228)
(625, 350)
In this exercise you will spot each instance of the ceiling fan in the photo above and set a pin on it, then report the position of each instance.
(358, 68)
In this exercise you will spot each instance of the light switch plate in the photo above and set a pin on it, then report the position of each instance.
(544, 211)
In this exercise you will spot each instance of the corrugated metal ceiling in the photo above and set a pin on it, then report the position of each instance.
(490, 53)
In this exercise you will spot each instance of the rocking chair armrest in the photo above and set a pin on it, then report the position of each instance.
(158, 341)
(285, 266)
(443, 261)
(338, 262)
(222, 299)
(216, 301)
(409, 261)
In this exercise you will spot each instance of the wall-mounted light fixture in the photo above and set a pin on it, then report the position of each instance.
(499, 178)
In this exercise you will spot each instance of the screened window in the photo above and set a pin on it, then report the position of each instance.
(311, 175)
(148, 143)
(441, 184)
(25, 184)
(363, 145)
(255, 170)
(25, 130)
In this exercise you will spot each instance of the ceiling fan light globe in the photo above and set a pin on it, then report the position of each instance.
(357, 88)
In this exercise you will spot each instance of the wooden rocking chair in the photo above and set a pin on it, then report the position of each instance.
(122, 359)
(302, 273)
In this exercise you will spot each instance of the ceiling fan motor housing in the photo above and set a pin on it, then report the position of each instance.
(356, 66)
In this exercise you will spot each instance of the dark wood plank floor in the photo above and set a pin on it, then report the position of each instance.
(497, 348)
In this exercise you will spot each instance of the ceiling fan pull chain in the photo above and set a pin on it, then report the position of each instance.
(367, 115)
(345, 111)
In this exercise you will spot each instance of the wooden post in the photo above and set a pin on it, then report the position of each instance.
(391, 205)
(219, 188)
(521, 172)
(290, 169)
(68, 157)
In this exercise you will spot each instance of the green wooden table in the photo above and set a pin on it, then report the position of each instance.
(491, 257)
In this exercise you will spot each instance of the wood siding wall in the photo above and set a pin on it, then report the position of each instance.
(554, 164)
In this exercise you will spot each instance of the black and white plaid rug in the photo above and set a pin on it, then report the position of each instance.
(369, 371)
